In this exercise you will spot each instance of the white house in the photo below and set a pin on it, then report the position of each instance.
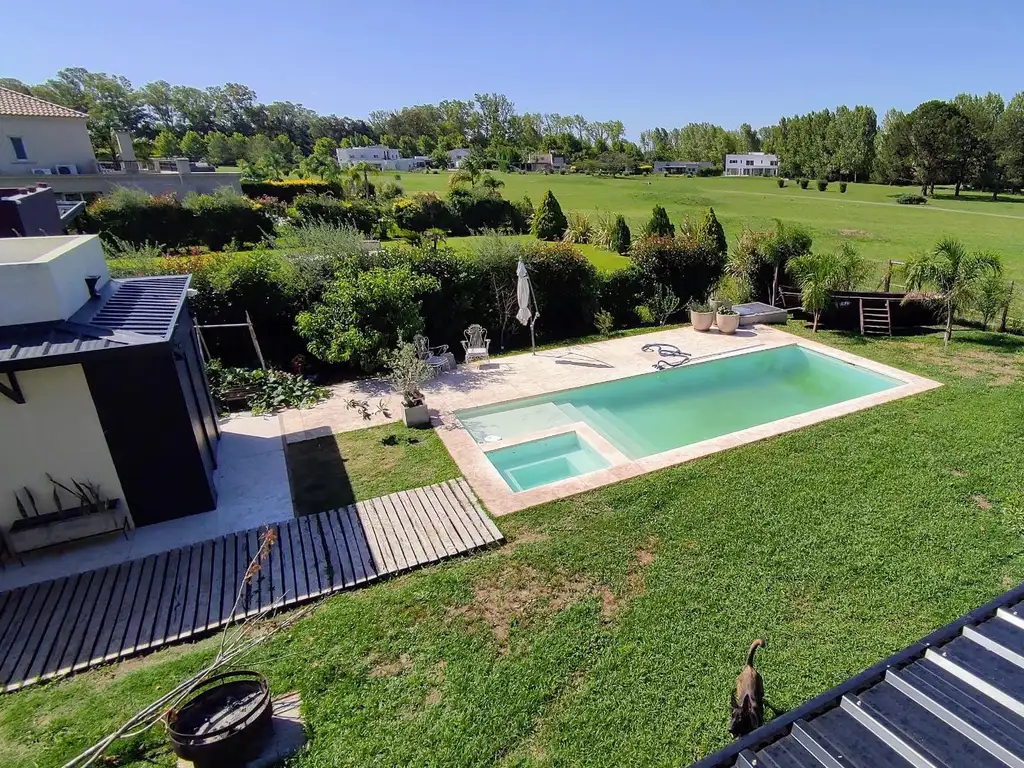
(456, 156)
(544, 161)
(377, 155)
(45, 142)
(752, 164)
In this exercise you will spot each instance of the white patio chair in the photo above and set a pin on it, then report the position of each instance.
(435, 357)
(476, 344)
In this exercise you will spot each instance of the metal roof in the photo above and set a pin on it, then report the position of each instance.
(19, 104)
(130, 312)
(954, 698)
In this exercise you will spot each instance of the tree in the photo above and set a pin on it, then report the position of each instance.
(984, 113)
(659, 224)
(1009, 139)
(193, 146)
(955, 275)
(359, 174)
(620, 241)
(322, 162)
(822, 274)
(166, 144)
(218, 149)
(491, 184)
(941, 143)
(549, 222)
(439, 158)
(785, 243)
(364, 315)
(710, 232)
(893, 149)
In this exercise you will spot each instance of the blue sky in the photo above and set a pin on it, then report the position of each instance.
(660, 62)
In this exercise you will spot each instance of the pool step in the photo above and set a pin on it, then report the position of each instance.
(614, 429)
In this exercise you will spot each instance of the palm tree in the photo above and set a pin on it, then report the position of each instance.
(461, 176)
(359, 174)
(953, 273)
(822, 274)
(491, 184)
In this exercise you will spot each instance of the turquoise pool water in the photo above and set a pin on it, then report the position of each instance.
(657, 412)
(544, 461)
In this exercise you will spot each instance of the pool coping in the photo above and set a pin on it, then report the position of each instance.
(502, 500)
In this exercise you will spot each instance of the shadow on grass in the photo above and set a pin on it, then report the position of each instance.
(318, 476)
(1002, 342)
(977, 197)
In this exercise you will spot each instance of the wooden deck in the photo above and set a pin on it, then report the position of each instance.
(66, 625)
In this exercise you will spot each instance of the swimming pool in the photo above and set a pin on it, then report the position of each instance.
(649, 414)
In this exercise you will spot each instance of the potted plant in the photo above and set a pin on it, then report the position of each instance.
(701, 316)
(727, 319)
(408, 374)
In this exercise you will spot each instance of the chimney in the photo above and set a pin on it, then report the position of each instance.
(90, 283)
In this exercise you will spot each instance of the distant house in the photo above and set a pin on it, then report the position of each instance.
(42, 141)
(456, 156)
(381, 157)
(544, 161)
(752, 164)
(680, 167)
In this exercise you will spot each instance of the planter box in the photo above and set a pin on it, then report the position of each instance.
(701, 321)
(727, 323)
(417, 416)
(51, 530)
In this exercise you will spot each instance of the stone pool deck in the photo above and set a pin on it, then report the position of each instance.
(553, 370)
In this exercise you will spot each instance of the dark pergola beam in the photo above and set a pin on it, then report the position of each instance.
(12, 390)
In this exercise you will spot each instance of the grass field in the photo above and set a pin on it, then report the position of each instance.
(866, 214)
(610, 627)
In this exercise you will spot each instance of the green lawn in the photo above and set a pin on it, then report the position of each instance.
(335, 471)
(866, 213)
(610, 628)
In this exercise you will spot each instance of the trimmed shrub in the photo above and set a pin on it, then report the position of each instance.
(690, 268)
(567, 289)
(842, 187)
(659, 224)
(478, 210)
(708, 172)
(803, 183)
(226, 217)
(286, 190)
(363, 215)
(549, 222)
(781, 182)
(421, 212)
(709, 233)
(911, 200)
(821, 184)
(620, 236)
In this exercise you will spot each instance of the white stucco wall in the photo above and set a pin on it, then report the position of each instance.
(55, 430)
(43, 278)
(48, 141)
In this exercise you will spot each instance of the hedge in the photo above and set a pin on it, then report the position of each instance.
(467, 289)
(214, 220)
(363, 215)
(287, 190)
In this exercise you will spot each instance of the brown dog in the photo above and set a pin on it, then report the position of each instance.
(748, 699)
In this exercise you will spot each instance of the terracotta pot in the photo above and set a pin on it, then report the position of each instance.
(417, 416)
(701, 321)
(727, 323)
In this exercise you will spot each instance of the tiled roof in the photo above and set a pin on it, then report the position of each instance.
(20, 105)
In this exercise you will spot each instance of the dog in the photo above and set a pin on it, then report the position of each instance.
(748, 699)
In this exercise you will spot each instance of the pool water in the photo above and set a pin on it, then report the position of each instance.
(657, 412)
(544, 461)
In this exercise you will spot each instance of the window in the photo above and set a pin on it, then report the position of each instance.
(19, 148)
(750, 162)
(732, 162)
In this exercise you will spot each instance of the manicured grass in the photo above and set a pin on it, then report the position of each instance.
(606, 261)
(335, 471)
(610, 628)
(866, 214)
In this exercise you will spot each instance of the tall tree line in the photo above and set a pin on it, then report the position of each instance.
(974, 141)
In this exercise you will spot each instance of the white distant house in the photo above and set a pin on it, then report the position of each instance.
(456, 156)
(379, 156)
(679, 167)
(752, 164)
(544, 161)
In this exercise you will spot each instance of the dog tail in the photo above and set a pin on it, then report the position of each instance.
(753, 649)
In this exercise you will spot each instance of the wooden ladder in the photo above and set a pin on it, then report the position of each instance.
(875, 319)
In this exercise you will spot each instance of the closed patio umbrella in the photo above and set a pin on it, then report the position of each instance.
(524, 290)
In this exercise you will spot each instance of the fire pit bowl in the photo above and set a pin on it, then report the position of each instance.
(226, 722)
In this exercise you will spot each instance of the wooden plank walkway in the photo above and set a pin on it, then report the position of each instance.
(58, 627)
